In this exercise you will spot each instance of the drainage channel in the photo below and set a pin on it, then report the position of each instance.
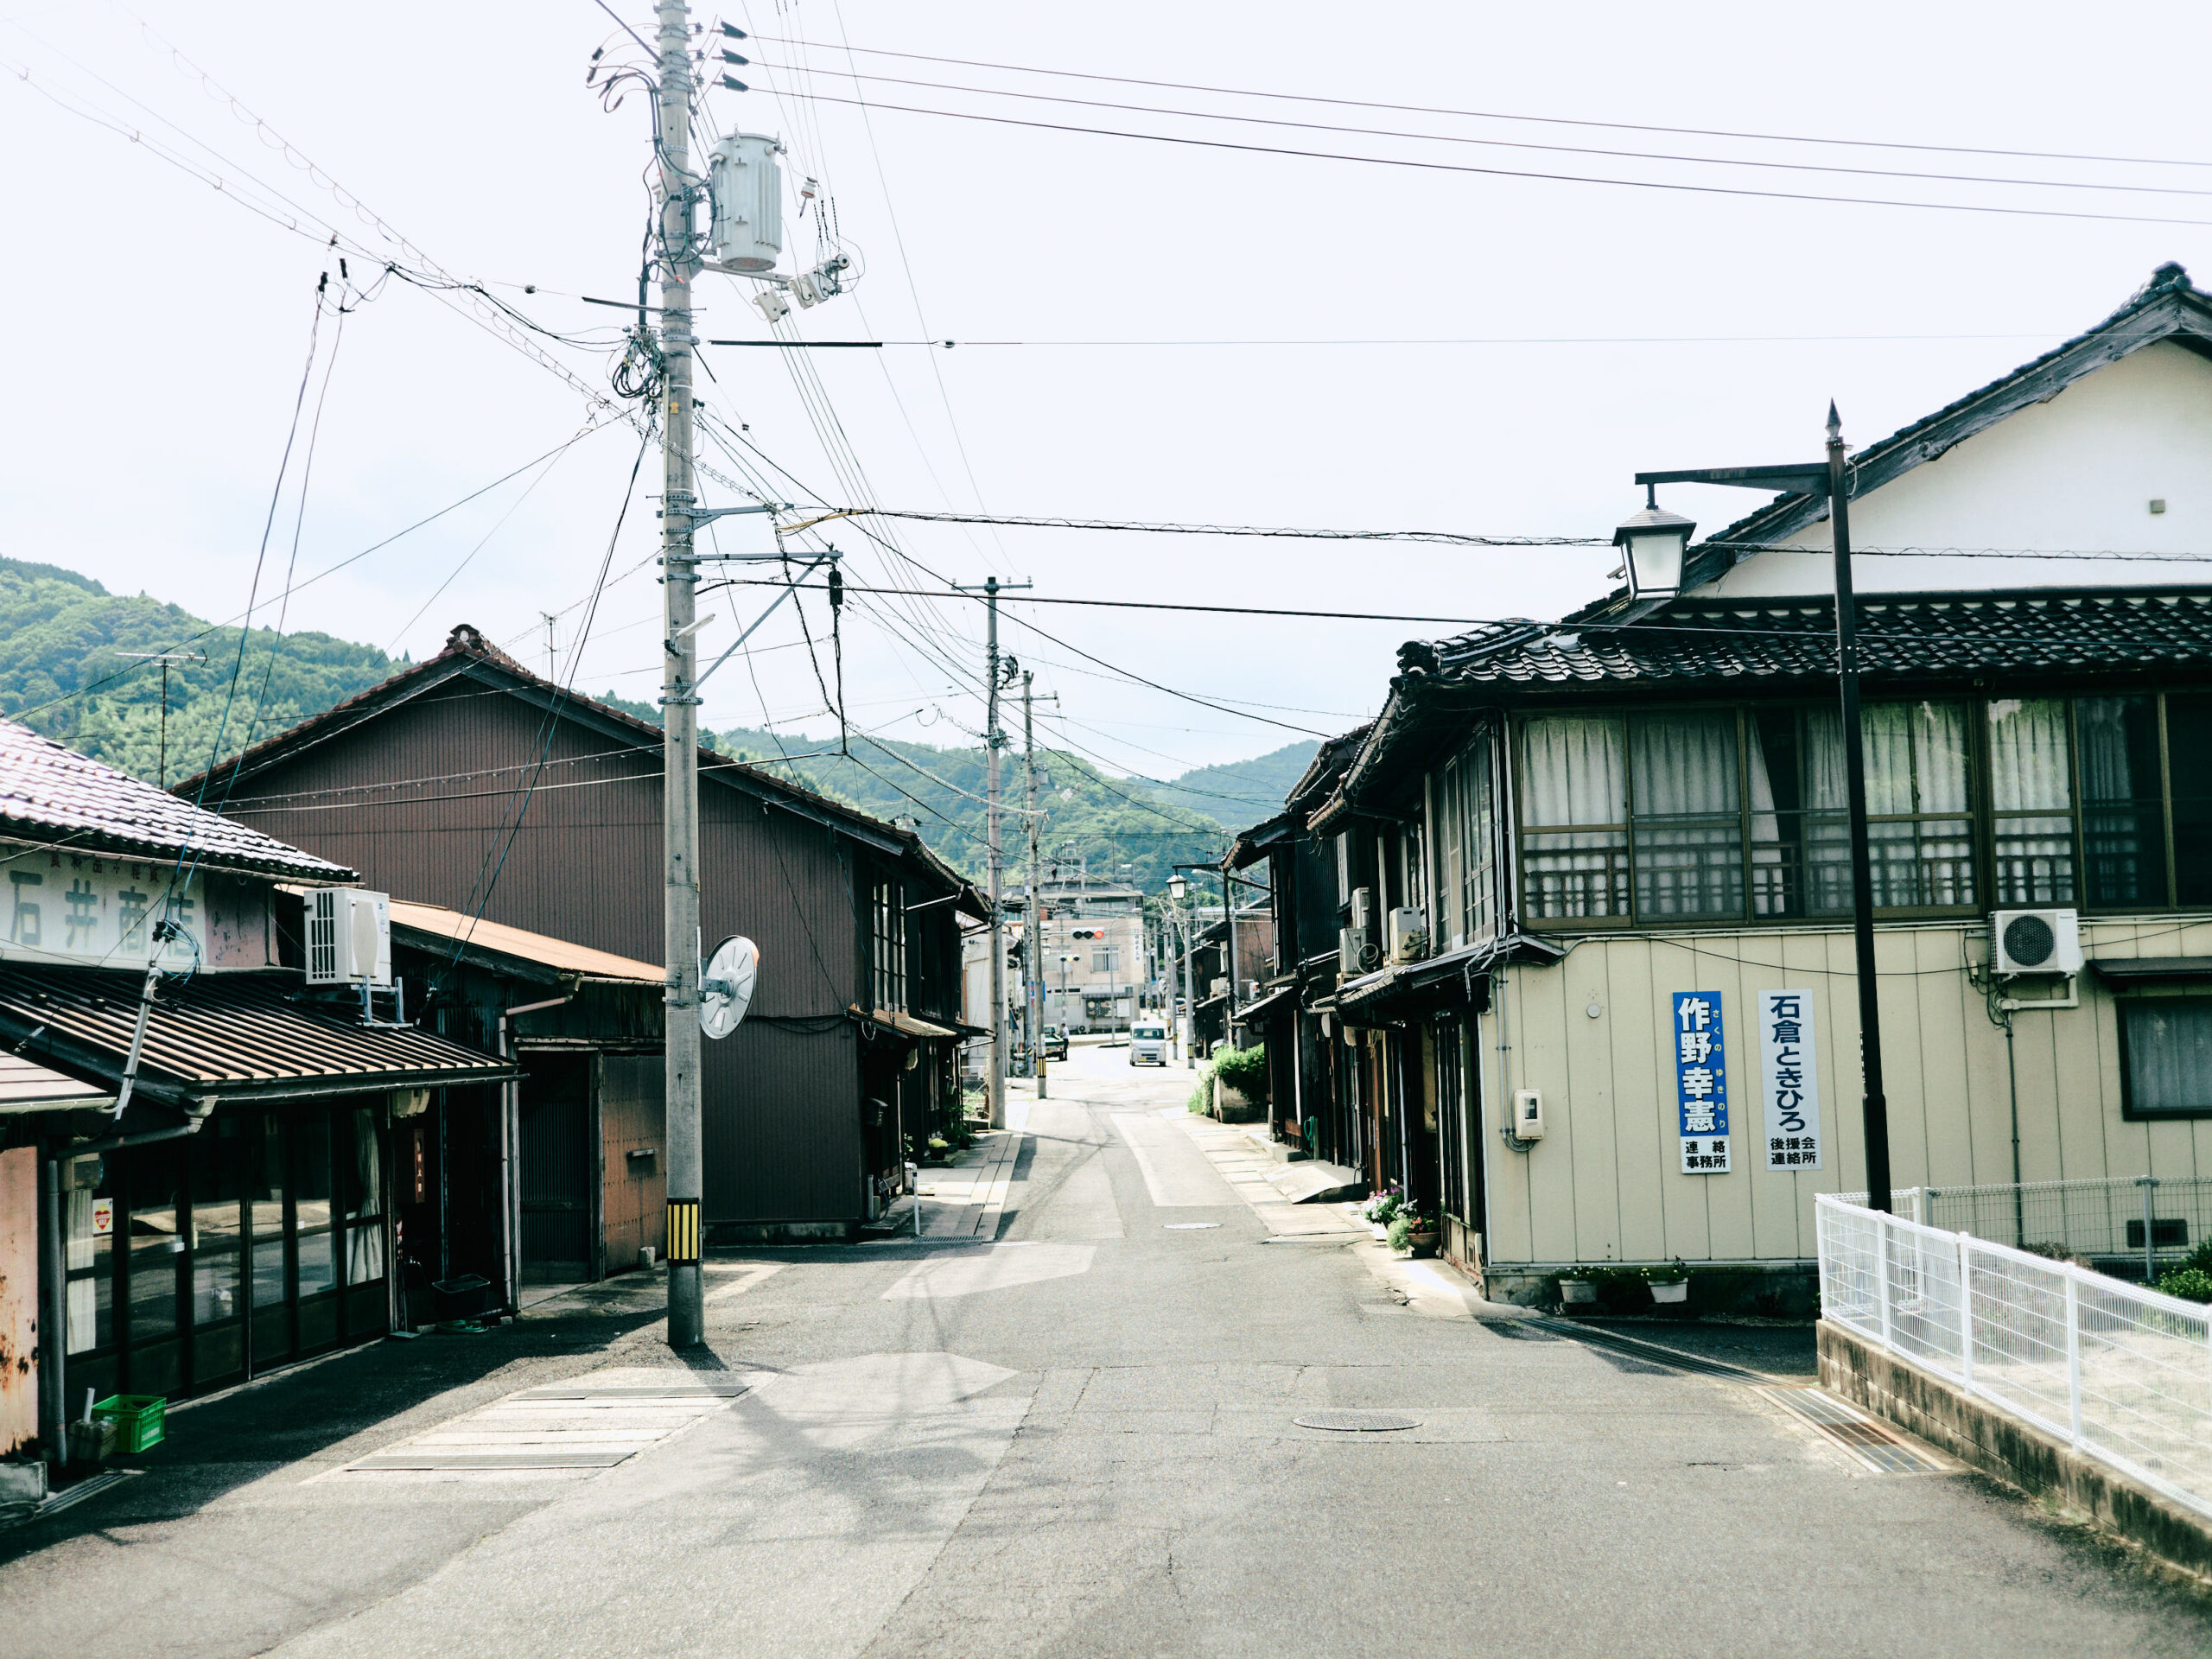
(1872, 1444)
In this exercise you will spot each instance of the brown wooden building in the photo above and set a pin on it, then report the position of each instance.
(468, 782)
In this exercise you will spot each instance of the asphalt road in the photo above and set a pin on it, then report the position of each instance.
(1074, 1438)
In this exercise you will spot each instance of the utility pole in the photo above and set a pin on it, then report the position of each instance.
(165, 658)
(679, 694)
(1228, 916)
(1032, 996)
(1874, 1106)
(549, 654)
(994, 740)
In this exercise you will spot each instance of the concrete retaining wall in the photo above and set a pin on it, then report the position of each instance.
(1976, 1432)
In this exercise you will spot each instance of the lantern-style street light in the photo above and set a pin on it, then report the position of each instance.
(1820, 480)
(1655, 540)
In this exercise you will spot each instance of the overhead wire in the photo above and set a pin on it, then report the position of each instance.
(1495, 115)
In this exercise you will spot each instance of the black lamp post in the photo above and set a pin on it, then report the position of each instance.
(1654, 542)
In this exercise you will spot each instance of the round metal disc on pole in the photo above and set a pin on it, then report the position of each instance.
(726, 988)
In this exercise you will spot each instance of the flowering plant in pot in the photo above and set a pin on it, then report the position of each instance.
(1669, 1282)
(1578, 1287)
(1413, 1231)
(1381, 1209)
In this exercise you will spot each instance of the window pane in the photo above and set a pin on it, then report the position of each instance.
(88, 1238)
(1800, 847)
(2032, 789)
(2169, 1055)
(156, 1240)
(2189, 758)
(262, 1148)
(216, 1214)
(2123, 821)
(1916, 774)
(1688, 830)
(1573, 773)
(364, 1178)
(1479, 865)
(311, 1206)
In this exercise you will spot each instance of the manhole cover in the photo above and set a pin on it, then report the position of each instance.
(1190, 1226)
(1356, 1422)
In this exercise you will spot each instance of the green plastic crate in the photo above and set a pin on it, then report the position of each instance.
(138, 1420)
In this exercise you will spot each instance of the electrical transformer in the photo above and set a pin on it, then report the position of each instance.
(747, 192)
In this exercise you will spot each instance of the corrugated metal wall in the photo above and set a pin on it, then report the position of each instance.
(782, 1106)
(634, 1118)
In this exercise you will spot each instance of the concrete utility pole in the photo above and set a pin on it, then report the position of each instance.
(1229, 911)
(1032, 967)
(679, 694)
(994, 740)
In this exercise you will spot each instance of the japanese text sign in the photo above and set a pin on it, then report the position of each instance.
(1702, 1081)
(1792, 1083)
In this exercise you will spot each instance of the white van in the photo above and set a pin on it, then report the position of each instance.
(1148, 1043)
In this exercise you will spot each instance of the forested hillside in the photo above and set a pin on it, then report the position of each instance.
(66, 671)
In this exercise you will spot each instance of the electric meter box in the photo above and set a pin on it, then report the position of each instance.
(1528, 1114)
(746, 190)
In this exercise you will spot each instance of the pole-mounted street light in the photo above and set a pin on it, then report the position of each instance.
(1655, 542)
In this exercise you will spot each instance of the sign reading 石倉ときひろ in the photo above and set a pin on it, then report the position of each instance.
(1792, 1081)
(1702, 1081)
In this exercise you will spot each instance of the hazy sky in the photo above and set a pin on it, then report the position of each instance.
(160, 327)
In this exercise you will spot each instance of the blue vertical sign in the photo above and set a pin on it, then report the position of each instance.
(1702, 1081)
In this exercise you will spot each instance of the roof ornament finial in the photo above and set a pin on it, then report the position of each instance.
(1835, 422)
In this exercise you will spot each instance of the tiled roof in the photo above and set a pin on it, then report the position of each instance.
(50, 793)
(1898, 634)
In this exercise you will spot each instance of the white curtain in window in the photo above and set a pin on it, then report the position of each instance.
(2169, 1054)
(1572, 771)
(2028, 769)
(2107, 765)
(1684, 765)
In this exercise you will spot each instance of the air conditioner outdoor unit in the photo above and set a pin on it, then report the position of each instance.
(1220, 988)
(1363, 903)
(2035, 942)
(349, 936)
(1351, 948)
(1407, 938)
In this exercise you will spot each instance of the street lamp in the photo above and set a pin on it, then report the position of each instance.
(1819, 481)
(1655, 540)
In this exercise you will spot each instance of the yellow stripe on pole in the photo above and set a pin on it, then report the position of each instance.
(684, 1229)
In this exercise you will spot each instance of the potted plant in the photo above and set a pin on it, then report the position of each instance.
(1413, 1231)
(1381, 1209)
(1578, 1287)
(1669, 1282)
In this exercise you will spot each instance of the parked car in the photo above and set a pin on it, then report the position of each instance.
(1148, 1043)
(1052, 1043)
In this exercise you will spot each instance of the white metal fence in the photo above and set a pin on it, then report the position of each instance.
(2121, 1373)
(2151, 1219)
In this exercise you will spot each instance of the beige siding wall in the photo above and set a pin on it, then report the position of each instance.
(1605, 1182)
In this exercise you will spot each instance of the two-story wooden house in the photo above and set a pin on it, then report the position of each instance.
(1627, 1017)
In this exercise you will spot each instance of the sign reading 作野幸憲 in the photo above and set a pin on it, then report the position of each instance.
(1702, 1081)
(1792, 1080)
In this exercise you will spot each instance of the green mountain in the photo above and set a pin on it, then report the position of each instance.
(1242, 792)
(66, 670)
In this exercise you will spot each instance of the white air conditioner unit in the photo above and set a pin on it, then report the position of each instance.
(349, 936)
(1362, 906)
(1407, 936)
(1352, 950)
(1219, 987)
(2035, 942)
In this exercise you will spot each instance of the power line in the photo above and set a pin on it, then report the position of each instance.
(1677, 185)
(1493, 114)
(1519, 143)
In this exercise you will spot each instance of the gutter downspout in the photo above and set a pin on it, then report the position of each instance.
(510, 1153)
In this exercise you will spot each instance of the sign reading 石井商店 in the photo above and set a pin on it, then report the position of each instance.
(1792, 1081)
(1702, 1081)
